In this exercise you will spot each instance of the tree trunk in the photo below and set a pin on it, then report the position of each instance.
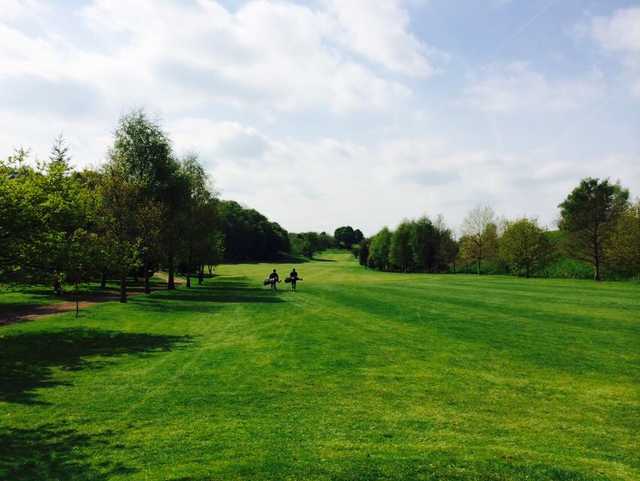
(57, 286)
(478, 266)
(147, 286)
(188, 280)
(77, 300)
(596, 262)
(201, 275)
(103, 280)
(123, 288)
(171, 283)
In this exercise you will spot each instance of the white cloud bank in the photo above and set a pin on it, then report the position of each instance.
(517, 88)
(269, 94)
(619, 34)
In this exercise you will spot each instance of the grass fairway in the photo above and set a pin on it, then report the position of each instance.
(358, 376)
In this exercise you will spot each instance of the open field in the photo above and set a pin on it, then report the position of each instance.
(359, 375)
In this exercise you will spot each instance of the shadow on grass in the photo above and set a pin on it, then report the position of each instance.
(222, 290)
(27, 359)
(51, 452)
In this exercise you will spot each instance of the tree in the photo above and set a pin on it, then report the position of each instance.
(120, 208)
(363, 252)
(479, 236)
(448, 252)
(325, 241)
(142, 156)
(345, 236)
(22, 204)
(59, 157)
(83, 249)
(623, 246)
(589, 216)
(249, 235)
(42, 208)
(424, 244)
(198, 216)
(400, 252)
(524, 246)
(379, 249)
(307, 247)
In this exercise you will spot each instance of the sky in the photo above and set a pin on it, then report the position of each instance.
(324, 113)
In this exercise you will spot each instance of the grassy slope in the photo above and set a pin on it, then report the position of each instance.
(359, 375)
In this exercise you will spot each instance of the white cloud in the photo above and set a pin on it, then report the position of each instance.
(307, 110)
(380, 32)
(517, 88)
(269, 55)
(620, 31)
(380, 183)
(276, 54)
(620, 35)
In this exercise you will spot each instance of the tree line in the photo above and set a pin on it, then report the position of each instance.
(146, 209)
(599, 232)
(309, 243)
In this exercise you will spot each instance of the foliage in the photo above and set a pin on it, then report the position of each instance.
(309, 243)
(415, 246)
(346, 236)
(524, 247)
(479, 240)
(249, 235)
(379, 250)
(589, 216)
(400, 251)
(622, 247)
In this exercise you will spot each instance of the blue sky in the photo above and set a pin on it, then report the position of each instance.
(332, 112)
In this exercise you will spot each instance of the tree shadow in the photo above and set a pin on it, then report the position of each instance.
(27, 359)
(51, 452)
(222, 290)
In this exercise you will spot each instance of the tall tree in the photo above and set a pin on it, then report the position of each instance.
(524, 246)
(199, 218)
(588, 216)
(120, 215)
(379, 249)
(623, 246)
(479, 236)
(424, 244)
(400, 252)
(142, 157)
(345, 236)
(358, 236)
(363, 252)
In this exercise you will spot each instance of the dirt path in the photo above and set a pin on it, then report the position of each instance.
(34, 312)
(31, 313)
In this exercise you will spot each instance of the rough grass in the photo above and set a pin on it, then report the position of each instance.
(359, 375)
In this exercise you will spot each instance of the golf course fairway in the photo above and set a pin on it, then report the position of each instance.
(359, 375)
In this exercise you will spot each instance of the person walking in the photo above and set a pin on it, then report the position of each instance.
(294, 279)
(274, 278)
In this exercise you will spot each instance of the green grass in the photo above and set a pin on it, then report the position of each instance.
(13, 298)
(359, 375)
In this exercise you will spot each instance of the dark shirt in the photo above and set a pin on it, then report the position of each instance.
(293, 275)
(274, 275)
